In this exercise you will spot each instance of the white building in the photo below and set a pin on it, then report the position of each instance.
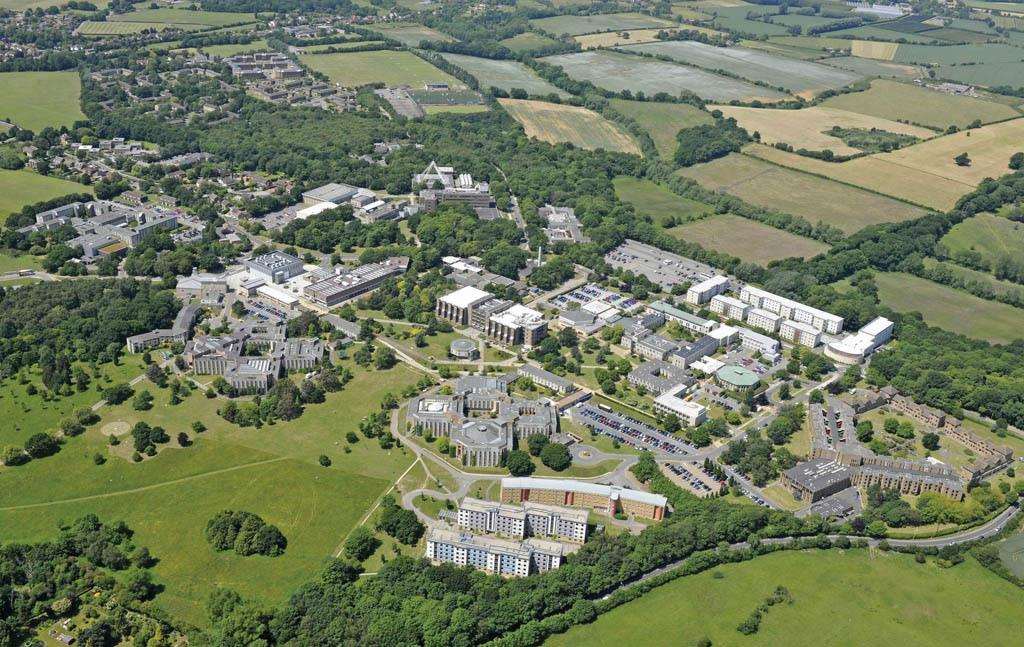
(690, 413)
(729, 307)
(763, 319)
(756, 341)
(458, 305)
(703, 291)
(854, 348)
(789, 309)
(725, 335)
(800, 333)
(493, 555)
(526, 520)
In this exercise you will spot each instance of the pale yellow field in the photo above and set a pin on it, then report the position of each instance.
(636, 36)
(875, 173)
(874, 49)
(555, 123)
(805, 128)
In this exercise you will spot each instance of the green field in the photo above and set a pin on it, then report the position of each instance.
(1011, 553)
(19, 188)
(505, 75)
(231, 50)
(991, 236)
(946, 55)
(871, 32)
(412, 34)
(94, 28)
(852, 597)
(167, 16)
(35, 100)
(12, 263)
(527, 41)
(902, 101)
(951, 309)
(814, 198)
(168, 499)
(662, 121)
(746, 239)
(576, 25)
(355, 44)
(871, 67)
(654, 200)
(389, 67)
(987, 74)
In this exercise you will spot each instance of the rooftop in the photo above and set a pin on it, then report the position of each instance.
(466, 297)
(737, 376)
(569, 485)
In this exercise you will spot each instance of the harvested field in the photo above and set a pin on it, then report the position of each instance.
(874, 49)
(795, 76)
(505, 75)
(353, 69)
(662, 121)
(814, 198)
(805, 128)
(902, 101)
(527, 42)
(555, 123)
(94, 28)
(576, 25)
(746, 239)
(617, 71)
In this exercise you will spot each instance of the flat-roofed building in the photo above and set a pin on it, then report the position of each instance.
(349, 284)
(494, 555)
(516, 325)
(725, 335)
(729, 307)
(688, 412)
(547, 379)
(763, 319)
(789, 309)
(852, 349)
(277, 297)
(525, 520)
(562, 225)
(682, 317)
(333, 193)
(457, 306)
(800, 333)
(816, 479)
(608, 499)
(757, 342)
(275, 267)
(656, 376)
(702, 292)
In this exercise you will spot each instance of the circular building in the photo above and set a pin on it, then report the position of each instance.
(482, 443)
(464, 349)
(736, 377)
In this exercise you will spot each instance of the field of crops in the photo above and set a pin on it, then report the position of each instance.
(746, 239)
(988, 74)
(662, 121)
(505, 75)
(616, 71)
(795, 76)
(869, 67)
(576, 25)
(958, 54)
(555, 123)
(353, 69)
(411, 34)
(94, 28)
(877, 33)
(527, 42)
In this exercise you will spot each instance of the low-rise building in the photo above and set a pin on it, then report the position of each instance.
(347, 284)
(562, 225)
(852, 349)
(689, 413)
(178, 332)
(757, 342)
(816, 479)
(607, 499)
(682, 317)
(547, 379)
(275, 266)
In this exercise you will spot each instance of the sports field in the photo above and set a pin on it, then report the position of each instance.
(951, 309)
(806, 128)
(802, 77)
(353, 69)
(906, 102)
(527, 41)
(168, 499)
(576, 25)
(655, 201)
(35, 100)
(991, 236)
(616, 71)
(19, 188)
(662, 121)
(555, 123)
(231, 50)
(94, 28)
(506, 75)
(800, 194)
(839, 598)
(746, 239)
(412, 34)
(167, 16)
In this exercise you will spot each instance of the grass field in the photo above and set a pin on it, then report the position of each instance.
(991, 236)
(746, 239)
(94, 28)
(870, 67)
(528, 41)
(662, 121)
(168, 499)
(814, 198)
(839, 598)
(1011, 553)
(988, 74)
(19, 188)
(231, 50)
(35, 100)
(654, 200)
(11, 263)
(455, 108)
(902, 101)
(412, 34)
(167, 16)
(554, 123)
(877, 33)
(616, 71)
(951, 309)
(390, 67)
(801, 77)
(631, 37)
(996, 285)
(576, 25)
(950, 54)
(806, 128)
(505, 75)
(346, 45)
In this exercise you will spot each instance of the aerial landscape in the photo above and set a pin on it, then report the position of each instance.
(511, 323)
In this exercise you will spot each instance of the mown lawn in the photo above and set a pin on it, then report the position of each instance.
(34, 100)
(19, 188)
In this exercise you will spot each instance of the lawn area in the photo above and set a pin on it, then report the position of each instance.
(411, 34)
(528, 41)
(389, 67)
(662, 121)
(951, 309)
(455, 108)
(801, 194)
(168, 16)
(656, 201)
(19, 188)
(231, 50)
(506, 75)
(903, 101)
(746, 239)
(991, 236)
(168, 499)
(556, 123)
(12, 263)
(34, 100)
(839, 598)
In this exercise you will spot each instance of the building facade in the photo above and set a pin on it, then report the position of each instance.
(607, 499)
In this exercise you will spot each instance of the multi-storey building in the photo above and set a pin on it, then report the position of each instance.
(521, 521)
(178, 332)
(517, 325)
(275, 266)
(682, 317)
(763, 319)
(799, 333)
(789, 309)
(494, 555)
(729, 307)
(703, 291)
(608, 499)
(349, 284)
(501, 320)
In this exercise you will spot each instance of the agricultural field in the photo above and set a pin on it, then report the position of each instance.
(800, 194)
(19, 188)
(951, 309)
(991, 236)
(168, 499)
(312, 49)
(231, 50)
(555, 123)
(616, 71)
(839, 598)
(94, 28)
(877, 33)
(958, 54)
(662, 121)
(806, 128)
(783, 50)
(914, 104)
(733, 16)
(746, 239)
(166, 16)
(800, 77)
(874, 49)
(393, 68)
(987, 74)
(506, 75)
(527, 42)
(657, 202)
(411, 34)
(35, 100)
(997, 286)
(618, 38)
(576, 25)
(870, 67)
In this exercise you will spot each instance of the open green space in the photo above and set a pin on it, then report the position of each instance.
(871, 32)
(914, 104)
(657, 202)
(576, 25)
(385, 66)
(169, 16)
(974, 54)
(1011, 553)
(35, 100)
(19, 188)
(411, 34)
(13, 262)
(237, 48)
(746, 239)
(1010, 73)
(353, 44)
(871, 67)
(988, 280)
(506, 75)
(662, 121)
(839, 598)
(951, 309)
(528, 41)
(989, 235)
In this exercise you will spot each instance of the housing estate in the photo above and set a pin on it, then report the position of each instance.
(494, 555)
(525, 520)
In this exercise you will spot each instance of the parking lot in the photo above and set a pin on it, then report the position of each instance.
(694, 478)
(626, 430)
